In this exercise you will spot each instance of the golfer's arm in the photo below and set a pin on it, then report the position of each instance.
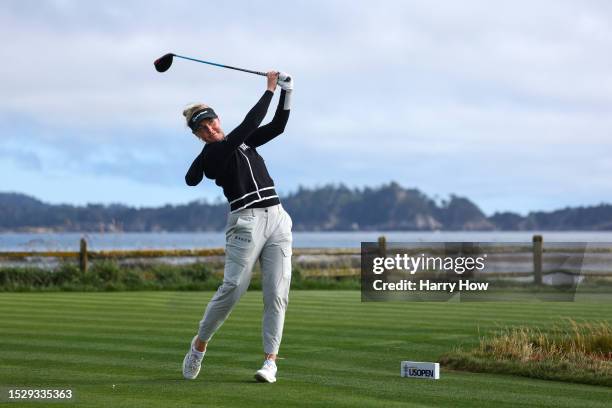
(250, 123)
(195, 174)
(277, 126)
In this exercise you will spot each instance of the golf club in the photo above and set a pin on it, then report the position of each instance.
(162, 64)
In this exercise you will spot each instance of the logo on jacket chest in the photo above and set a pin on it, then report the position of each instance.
(244, 147)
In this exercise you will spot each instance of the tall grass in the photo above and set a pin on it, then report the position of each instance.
(576, 352)
(568, 342)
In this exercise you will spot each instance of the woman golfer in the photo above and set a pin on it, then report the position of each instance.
(257, 228)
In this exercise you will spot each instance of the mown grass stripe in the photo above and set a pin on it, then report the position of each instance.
(337, 351)
(432, 309)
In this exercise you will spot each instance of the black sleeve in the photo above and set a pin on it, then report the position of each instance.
(277, 126)
(219, 151)
(195, 174)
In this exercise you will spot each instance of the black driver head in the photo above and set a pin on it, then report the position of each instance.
(163, 63)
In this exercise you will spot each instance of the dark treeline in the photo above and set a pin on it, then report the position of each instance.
(328, 208)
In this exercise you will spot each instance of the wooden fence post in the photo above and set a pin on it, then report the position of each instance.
(537, 259)
(83, 256)
(382, 246)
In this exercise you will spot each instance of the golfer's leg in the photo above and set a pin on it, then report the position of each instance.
(276, 278)
(241, 252)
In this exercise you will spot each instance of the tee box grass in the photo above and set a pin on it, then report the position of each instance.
(124, 349)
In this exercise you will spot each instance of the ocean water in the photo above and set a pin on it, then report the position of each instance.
(192, 240)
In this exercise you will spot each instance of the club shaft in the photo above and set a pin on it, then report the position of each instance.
(222, 66)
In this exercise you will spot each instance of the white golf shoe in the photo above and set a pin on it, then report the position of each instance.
(267, 373)
(192, 363)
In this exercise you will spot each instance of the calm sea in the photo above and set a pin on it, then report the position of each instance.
(107, 241)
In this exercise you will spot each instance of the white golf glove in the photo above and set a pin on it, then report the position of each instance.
(285, 81)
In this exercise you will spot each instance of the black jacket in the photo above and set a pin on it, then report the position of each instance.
(234, 163)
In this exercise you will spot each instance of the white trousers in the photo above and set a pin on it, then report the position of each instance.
(252, 234)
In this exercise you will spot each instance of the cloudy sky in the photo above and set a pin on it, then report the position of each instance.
(507, 103)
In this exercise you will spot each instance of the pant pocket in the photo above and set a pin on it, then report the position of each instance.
(287, 252)
(239, 247)
(239, 250)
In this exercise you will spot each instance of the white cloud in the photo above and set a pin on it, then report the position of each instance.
(441, 81)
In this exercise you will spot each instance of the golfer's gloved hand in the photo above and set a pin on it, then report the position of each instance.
(285, 81)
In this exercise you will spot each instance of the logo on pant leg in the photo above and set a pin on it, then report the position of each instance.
(243, 239)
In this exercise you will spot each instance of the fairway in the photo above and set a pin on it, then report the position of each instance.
(336, 351)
